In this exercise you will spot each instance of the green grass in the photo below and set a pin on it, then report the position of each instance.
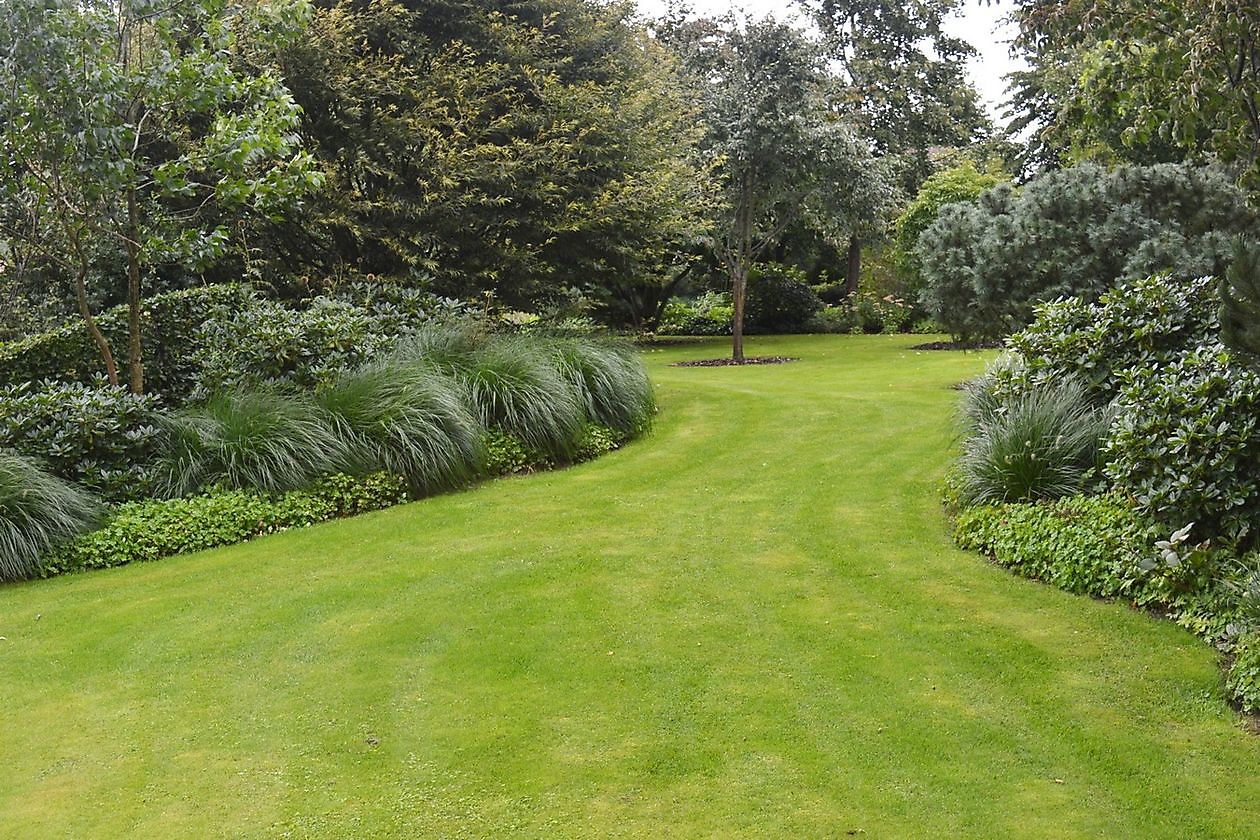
(750, 623)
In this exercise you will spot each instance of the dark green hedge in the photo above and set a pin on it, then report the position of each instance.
(169, 325)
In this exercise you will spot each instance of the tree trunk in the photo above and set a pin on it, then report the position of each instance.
(739, 291)
(854, 272)
(740, 260)
(135, 367)
(94, 329)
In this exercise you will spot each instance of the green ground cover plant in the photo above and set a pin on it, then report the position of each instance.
(750, 623)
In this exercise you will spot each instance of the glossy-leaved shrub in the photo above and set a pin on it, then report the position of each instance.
(1149, 323)
(269, 342)
(37, 512)
(1186, 443)
(169, 326)
(97, 435)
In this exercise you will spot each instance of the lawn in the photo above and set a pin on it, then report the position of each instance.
(750, 623)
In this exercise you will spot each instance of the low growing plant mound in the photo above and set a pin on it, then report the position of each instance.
(407, 420)
(37, 512)
(266, 439)
(1042, 444)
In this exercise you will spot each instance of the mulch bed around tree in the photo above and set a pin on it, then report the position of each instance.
(748, 360)
(959, 345)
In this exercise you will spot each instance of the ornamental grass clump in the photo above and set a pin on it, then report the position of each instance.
(265, 439)
(1042, 444)
(407, 420)
(37, 512)
(513, 384)
(610, 380)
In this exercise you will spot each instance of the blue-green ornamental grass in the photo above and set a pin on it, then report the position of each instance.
(264, 438)
(1040, 444)
(610, 380)
(407, 420)
(37, 512)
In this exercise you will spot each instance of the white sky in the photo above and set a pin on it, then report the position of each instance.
(979, 24)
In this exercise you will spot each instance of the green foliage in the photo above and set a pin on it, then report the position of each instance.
(1147, 324)
(157, 528)
(1240, 303)
(1085, 544)
(406, 420)
(169, 330)
(514, 385)
(1186, 443)
(493, 148)
(264, 439)
(1040, 444)
(709, 314)
(903, 73)
(779, 299)
(125, 127)
(611, 382)
(1075, 232)
(37, 511)
(268, 342)
(781, 156)
(959, 184)
(1140, 80)
(1242, 680)
(507, 455)
(100, 436)
(865, 312)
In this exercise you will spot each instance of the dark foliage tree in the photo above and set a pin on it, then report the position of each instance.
(903, 80)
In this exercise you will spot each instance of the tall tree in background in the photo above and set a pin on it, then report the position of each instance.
(782, 155)
(122, 128)
(1143, 80)
(519, 148)
(902, 80)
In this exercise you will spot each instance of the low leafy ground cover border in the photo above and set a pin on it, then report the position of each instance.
(157, 528)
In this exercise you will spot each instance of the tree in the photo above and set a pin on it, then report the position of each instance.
(902, 80)
(961, 183)
(1144, 79)
(1075, 232)
(520, 148)
(781, 154)
(123, 128)
(1240, 302)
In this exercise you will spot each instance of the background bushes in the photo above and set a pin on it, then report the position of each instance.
(1077, 231)
(99, 436)
(779, 299)
(169, 334)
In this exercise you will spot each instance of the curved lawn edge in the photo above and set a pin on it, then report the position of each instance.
(156, 529)
(755, 625)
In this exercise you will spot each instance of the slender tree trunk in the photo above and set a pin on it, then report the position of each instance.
(739, 291)
(93, 328)
(854, 271)
(739, 263)
(135, 367)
